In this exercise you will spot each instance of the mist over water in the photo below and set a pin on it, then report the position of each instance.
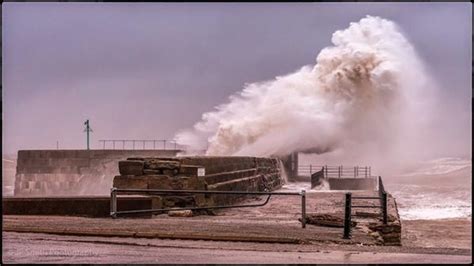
(359, 98)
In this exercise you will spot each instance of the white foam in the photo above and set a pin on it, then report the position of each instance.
(371, 76)
(433, 213)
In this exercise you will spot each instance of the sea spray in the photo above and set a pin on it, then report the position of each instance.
(284, 176)
(359, 94)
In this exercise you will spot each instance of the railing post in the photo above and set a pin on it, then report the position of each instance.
(355, 172)
(384, 207)
(303, 208)
(347, 216)
(113, 203)
(310, 169)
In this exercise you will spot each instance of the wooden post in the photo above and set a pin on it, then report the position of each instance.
(347, 216)
(303, 208)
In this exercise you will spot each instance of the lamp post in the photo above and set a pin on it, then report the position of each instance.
(87, 130)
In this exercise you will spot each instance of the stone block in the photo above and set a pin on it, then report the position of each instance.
(170, 172)
(189, 170)
(130, 181)
(131, 167)
(181, 213)
(159, 182)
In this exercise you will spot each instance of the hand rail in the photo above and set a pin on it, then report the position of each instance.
(348, 207)
(337, 171)
(114, 191)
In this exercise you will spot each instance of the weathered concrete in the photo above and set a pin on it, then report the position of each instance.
(98, 206)
(71, 172)
(66, 249)
(368, 183)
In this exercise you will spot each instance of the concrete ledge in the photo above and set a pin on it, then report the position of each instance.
(352, 183)
(74, 206)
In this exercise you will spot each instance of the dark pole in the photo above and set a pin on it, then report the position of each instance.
(87, 130)
(303, 208)
(384, 207)
(347, 217)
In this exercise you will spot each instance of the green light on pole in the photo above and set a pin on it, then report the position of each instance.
(87, 130)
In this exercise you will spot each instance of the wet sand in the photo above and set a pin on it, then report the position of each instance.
(424, 241)
(443, 233)
(47, 248)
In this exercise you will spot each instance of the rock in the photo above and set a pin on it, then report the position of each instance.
(157, 164)
(170, 172)
(326, 220)
(181, 213)
(189, 170)
(160, 182)
(152, 172)
(178, 201)
(130, 167)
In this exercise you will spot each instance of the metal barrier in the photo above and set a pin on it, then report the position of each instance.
(114, 191)
(336, 171)
(316, 178)
(348, 207)
(172, 145)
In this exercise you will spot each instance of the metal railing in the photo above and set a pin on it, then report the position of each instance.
(336, 171)
(133, 144)
(114, 191)
(348, 207)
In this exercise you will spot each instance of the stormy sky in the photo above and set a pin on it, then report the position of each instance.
(148, 70)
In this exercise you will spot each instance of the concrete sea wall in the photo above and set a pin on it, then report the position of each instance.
(71, 172)
(200, 173)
